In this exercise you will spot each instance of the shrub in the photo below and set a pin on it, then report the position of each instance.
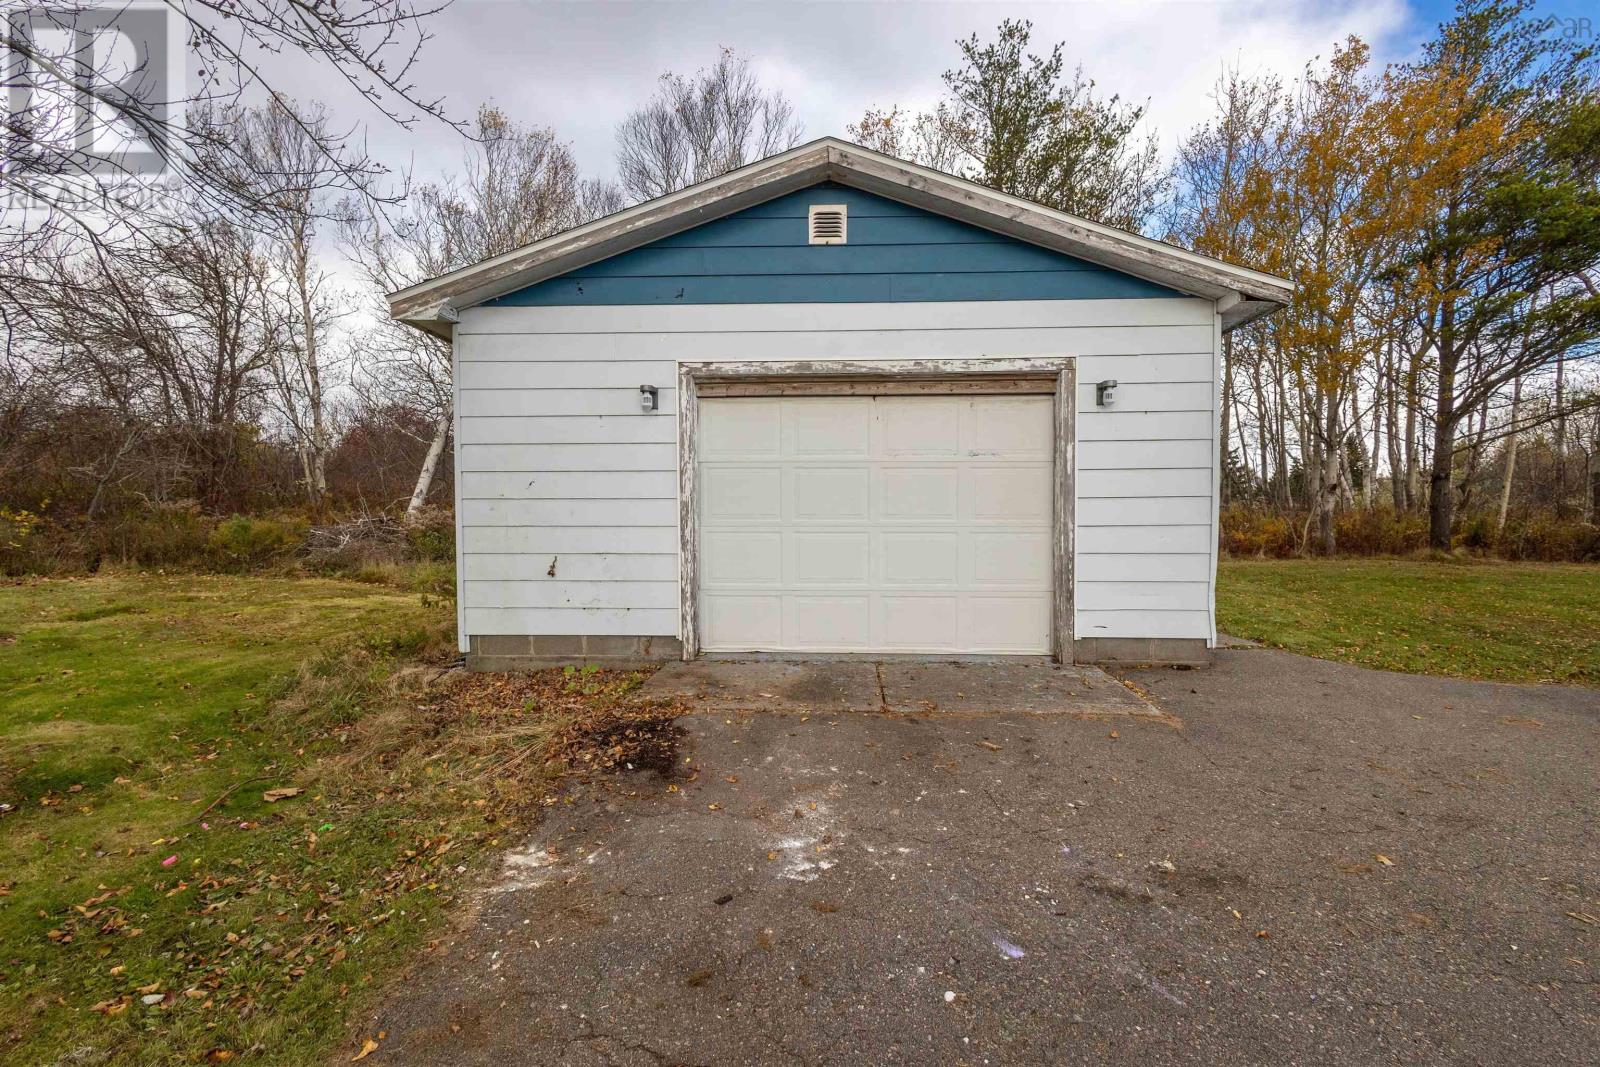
(1246, 532)
(244, 543)
(1383, 532)
(1548, 539)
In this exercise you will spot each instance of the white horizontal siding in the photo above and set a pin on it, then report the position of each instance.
(619, 512)
(813, 343)
(1146, 566)
(1143, 623)
(1105, 424)
(585, 457)
(1158, 482)
(575, 567)
(1149, 396)
(567, 620)
(1143, 455)
(568, 485)
(1121, 540)
(583, 400)
(755, 318)
(1153, 595)
(558, 465)
(544, 540)
(632, 429)
(557, 593)
(1144, 511)
(1128, 368)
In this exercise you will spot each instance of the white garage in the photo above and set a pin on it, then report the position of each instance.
(833, 403)
(893, 523)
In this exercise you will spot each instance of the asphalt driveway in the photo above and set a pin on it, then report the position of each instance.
(1302, 863)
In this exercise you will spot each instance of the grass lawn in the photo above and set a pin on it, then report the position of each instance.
(1512, 622)
(155, 907)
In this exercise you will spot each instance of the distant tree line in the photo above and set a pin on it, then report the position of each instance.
(1440, 217)
(219, 343)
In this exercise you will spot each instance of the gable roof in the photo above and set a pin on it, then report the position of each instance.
(1241, 293)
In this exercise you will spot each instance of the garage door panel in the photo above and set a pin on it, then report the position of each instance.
(921, 623)
(738, 493)
(740, 622)
(919, 493)
(918, 426)
(821, 622)
(829, 493)
(920, 558)
(903, 524)
(1001, 426)
(741, 557)
(830, 558)
(1011, 558)
(840, 427)
(739, 431)
(1004, 624)
(1002, 494)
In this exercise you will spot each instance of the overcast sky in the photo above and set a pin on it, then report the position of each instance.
(580, 65)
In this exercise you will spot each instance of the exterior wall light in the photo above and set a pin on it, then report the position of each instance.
(648, 398)
(1105, 393)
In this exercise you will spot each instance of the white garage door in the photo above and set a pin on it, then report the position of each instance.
(891, 523)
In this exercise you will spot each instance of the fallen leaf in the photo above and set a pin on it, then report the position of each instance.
(1385, 860)
(368, 1047)
(272, 796)
(990, 745)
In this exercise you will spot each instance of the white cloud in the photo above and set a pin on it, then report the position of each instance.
(580, 67)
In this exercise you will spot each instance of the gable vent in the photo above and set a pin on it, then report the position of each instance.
(827, 224)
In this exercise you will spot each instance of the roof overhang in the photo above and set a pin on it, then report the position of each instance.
(1241, 294)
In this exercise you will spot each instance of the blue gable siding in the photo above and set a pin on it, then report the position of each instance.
(895, 253)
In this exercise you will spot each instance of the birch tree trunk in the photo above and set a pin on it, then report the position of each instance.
(430, 464)
(1511, 458)
(1561, 437)
(1328, 496)
(1397, 471)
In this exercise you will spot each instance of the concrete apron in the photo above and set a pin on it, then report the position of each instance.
(896, 687)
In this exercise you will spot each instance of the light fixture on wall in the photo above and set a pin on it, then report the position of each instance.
(648, 398)
(1105, 393)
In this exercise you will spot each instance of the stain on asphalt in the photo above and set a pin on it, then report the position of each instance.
(1324, 865)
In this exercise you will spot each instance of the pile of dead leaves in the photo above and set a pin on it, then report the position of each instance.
(567, 721)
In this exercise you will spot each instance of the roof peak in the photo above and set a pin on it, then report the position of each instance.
(1241, 293)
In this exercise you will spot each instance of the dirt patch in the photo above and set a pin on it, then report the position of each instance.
(561, 722)
(627, 742)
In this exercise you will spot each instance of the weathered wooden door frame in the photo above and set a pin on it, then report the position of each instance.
(966, 377)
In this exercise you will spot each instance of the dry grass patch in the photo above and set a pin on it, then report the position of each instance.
(212, 854)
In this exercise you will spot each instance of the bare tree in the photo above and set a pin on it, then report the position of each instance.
(96, 143)
(174, 335)
(276, 161)
(698, 127)
(929, 139)
(519, 184)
